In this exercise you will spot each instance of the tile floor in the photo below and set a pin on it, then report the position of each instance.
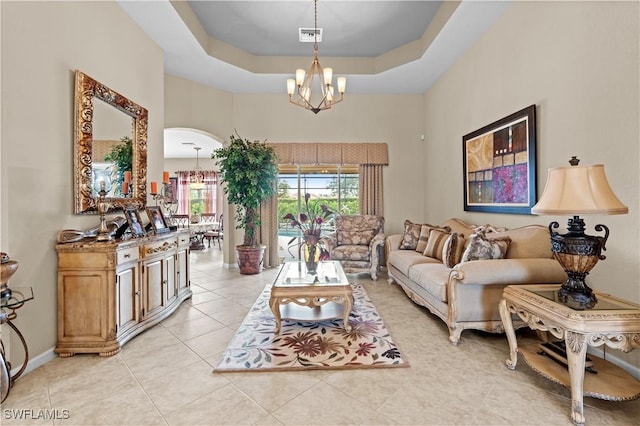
(164, 376)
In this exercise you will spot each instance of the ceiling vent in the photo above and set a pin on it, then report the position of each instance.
(306, 35)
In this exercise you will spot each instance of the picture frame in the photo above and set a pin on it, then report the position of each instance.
(499, 165)
(157, 219)
(135, 222)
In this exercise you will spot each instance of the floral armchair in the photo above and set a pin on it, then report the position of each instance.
(357, 243)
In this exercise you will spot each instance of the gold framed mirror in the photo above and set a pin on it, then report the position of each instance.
(108, 129)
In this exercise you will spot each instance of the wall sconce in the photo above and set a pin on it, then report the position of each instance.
(577, 190)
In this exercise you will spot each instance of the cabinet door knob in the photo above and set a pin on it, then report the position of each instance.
(126, 256)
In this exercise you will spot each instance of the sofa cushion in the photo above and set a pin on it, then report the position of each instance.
(410, 235)
(402, 260)
(527, 242)
(433, 277)
(351, 252)
(453, 249)
(424, 235)
(361, 237)
(483, 248)
(435, 243)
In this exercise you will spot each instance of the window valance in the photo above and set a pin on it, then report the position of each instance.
(331, 153)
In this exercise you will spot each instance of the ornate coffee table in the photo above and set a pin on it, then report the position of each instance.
(301, 296)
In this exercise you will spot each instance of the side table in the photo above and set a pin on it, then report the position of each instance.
(612, 322)
(12, 302)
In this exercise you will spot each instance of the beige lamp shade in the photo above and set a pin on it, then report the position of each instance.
(575, 190)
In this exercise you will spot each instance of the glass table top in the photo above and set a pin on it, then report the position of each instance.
(604, 302)
(329, 273)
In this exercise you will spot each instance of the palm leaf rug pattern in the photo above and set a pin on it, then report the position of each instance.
(311, 345)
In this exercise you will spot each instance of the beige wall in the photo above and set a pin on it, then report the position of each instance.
(394, 119)
(42, 44)
(578, 62)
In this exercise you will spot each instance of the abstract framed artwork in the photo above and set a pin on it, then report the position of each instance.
(499, 165)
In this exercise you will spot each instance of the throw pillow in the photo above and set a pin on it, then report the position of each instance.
(453, 249)
(482, 248)
(435, 243)
(410, 235)
(424, 235)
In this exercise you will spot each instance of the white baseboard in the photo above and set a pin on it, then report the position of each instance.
(230, 265)
(37, 361)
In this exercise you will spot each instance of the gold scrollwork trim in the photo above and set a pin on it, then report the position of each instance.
(166, 246)
(86, 89)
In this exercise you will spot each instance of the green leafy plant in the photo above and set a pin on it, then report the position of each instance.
(197, 208)
(122, 155)
(249, 173)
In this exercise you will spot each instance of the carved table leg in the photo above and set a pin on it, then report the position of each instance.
(576, 352)
(505, 316)
(348, 304)
(274, 304)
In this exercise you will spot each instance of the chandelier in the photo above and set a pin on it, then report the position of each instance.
(305, 89)
(196, 177)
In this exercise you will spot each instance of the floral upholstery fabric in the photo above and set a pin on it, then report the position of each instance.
(357, 243)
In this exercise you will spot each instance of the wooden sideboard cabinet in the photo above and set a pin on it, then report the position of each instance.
(108, 292)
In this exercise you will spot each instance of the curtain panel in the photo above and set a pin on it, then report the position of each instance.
(370, 191)
(209, 192)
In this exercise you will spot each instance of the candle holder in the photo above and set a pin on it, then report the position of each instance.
(102, 183)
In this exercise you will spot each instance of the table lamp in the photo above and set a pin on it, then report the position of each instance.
(574, 190)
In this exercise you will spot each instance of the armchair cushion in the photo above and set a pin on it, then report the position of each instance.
(359, 237)
(356, 242)
(351, 252)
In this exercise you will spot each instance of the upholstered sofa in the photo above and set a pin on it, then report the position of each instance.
(357, 243)
(458, 271)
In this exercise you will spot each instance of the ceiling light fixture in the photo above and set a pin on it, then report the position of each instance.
(196, 177)
(307, 85)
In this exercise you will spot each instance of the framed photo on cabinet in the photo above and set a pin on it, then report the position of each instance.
(157, 220)
(135, 223)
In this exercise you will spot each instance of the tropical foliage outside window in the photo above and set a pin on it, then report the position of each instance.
(334, 186)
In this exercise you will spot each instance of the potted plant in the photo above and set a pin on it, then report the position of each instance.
(249, 173)
(196, 212)
(310, 222)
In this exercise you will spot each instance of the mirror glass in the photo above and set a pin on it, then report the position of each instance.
(110, 146)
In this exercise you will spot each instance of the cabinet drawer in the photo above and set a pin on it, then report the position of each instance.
(159, 246)
(183, 239)
(128, 255)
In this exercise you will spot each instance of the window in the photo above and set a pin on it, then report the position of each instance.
(197, 201)
(336, 186)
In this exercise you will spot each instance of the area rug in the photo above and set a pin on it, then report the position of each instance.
(311, 345)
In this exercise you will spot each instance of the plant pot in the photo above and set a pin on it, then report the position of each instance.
(250, 259)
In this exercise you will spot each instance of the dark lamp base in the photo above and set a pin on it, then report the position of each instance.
(578, 253)
(577, 300)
